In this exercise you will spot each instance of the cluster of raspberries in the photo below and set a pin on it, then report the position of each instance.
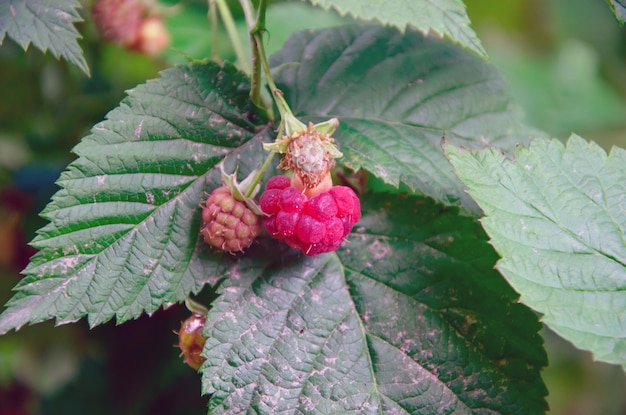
(315, 225)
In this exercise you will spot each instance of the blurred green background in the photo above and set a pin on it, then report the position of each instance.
(564, 60)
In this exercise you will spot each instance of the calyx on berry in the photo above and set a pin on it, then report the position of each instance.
(230, 216)
(309, 150)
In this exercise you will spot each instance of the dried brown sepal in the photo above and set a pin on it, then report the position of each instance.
(310, 154)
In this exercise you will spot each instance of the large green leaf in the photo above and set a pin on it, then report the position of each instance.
(48, 24)
(123, 231)
(396, 96)
(557, 216)
(409, 317)
(441, 17)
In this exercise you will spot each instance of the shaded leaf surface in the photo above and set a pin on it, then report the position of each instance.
(442, 17)
(409, 317)
(123, 231)
(396, 96)
(48, 24)
(557, 216)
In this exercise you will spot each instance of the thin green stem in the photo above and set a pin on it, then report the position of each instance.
(266, 164)
(277, 94)
(231, 29)
(214, 30)
(248, 10)
(260, 173)
(255, 80)
(259, 27)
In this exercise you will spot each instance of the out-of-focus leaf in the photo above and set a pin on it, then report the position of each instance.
(564, 92)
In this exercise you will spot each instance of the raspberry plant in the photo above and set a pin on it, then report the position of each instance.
(427, 301)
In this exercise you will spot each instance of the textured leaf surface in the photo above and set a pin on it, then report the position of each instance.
(47, 24)
(557, 216)
(123, 231)
(409, 317)
(395, 96)
(442, 17)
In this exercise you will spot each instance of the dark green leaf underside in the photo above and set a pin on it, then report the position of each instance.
(557, 217)
(396, 96)
(47, 24)
(409, 317)
(123, 231)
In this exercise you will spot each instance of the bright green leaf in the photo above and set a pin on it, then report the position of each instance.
(123, 231)
(47, 24)
(557, 216)
(409, 317)
(441, 17)
(396, 95)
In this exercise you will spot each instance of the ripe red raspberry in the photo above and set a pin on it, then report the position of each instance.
(191, 341)
(228, 224)
(316, 225)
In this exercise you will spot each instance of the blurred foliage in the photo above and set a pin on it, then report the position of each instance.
(565, 62)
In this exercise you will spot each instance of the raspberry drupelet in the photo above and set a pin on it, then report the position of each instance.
(314, 225)
(228, 224)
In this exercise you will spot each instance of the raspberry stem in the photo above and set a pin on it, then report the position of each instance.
(259, 57)
(214, 30)
(277, 94)
(255, 79)
(266, 164)
(257, 177)
(231, 29)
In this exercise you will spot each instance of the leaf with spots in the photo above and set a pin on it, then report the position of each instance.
(47, 24)
(557, 216)
(409, 317)
(123, 231)
(396, 95)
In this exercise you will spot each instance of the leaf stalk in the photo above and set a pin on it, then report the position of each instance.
(231, 29)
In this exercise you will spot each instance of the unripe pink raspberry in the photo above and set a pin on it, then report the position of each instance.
(316, 225)
(228, 224)
(131, 24)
